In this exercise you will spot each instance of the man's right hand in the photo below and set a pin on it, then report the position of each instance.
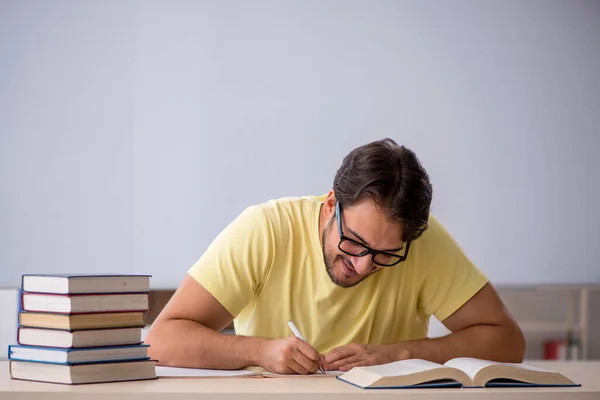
(289, 356)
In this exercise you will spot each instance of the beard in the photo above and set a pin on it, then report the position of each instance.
(330, 259)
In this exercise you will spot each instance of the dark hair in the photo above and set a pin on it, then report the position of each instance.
(392, 177)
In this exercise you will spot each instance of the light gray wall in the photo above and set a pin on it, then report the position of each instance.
(133, 132)
(66, 137)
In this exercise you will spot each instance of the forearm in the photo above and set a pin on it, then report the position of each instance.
(185, 343)
(490, 342)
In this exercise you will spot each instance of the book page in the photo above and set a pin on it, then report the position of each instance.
(175, 372)
(471, 366)
(403, 367)
(315, 375)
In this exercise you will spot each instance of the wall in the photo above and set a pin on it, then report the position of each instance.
(238, 102)
(66, 137)
(132, 132)
(8, 316)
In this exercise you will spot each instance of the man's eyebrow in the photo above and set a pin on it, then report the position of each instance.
(365, 242)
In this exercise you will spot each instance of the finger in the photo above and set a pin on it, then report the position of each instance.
(359, 363)
(339, 353)
(344, 362)
(309, 364)
(297, 367)
(309, 351)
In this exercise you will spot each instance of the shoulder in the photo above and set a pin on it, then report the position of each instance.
(435, 238)
(290, 203)
(436, 249)
(273, 220)
(445, 275)
(284, 209)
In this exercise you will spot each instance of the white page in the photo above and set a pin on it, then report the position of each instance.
(403, 367)
(471, 366)
(174, 372)
(332, 373)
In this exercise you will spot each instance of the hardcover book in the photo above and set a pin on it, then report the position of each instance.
(85, 283)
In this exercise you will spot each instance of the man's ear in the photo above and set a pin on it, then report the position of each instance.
(329, 204)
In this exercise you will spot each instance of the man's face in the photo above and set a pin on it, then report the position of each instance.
(365, 224)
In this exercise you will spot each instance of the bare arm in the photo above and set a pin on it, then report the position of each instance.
(481, 328)
(187, 334)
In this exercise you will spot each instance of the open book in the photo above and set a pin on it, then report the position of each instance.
(175, 372)
(459, 372)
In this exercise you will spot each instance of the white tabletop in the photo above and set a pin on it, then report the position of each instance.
(586, 373)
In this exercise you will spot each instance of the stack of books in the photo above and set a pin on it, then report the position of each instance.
(75, 329)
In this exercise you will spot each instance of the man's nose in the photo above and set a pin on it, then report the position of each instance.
(362, 265)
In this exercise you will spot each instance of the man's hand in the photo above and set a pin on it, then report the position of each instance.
(288, 356)
(355, 354)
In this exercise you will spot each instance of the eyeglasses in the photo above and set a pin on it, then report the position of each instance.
(354, 248)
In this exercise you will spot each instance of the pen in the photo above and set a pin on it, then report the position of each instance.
(299, 336)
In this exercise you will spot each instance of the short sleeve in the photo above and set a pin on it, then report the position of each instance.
(235, 264)
(449, 277)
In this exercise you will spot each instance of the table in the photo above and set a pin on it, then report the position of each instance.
(585, 372)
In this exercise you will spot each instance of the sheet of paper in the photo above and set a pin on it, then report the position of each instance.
(315, 375)
(174, 372)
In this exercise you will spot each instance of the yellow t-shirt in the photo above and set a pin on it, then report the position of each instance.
(266, 268)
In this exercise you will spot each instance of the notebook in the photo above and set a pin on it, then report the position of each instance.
(176, 372)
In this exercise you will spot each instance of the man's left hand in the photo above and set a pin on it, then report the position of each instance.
(355, 354)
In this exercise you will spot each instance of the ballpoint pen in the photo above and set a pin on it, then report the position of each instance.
(299, 336)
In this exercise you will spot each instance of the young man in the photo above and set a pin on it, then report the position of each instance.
(359, 270)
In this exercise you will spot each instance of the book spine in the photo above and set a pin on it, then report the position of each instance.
(19, 306)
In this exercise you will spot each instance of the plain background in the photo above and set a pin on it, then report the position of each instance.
(132, 132)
